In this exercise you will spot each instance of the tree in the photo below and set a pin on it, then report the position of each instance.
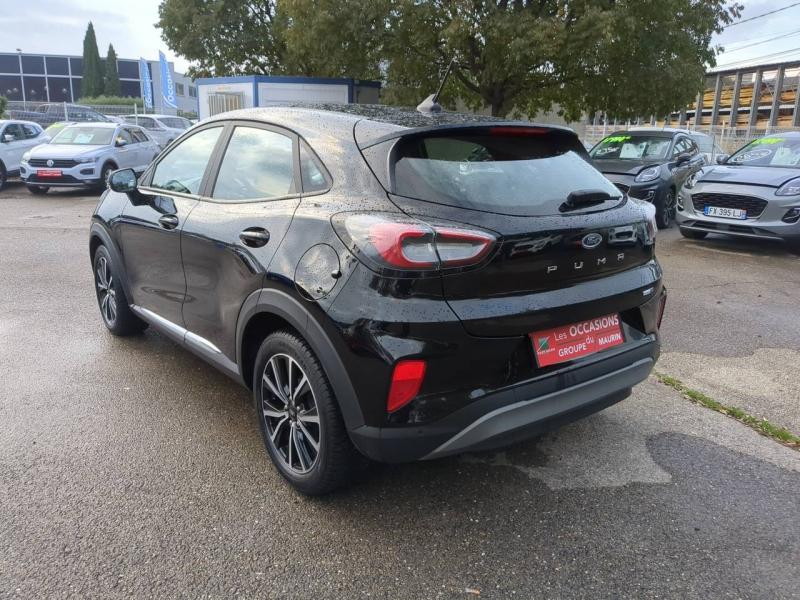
(626, 57)
(112, 87)
(92, 83)
(224, 37)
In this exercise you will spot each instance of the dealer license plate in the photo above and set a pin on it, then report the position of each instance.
(49, 172)
(725, 213)
(562, 344)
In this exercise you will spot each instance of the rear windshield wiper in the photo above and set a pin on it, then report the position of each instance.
(584, 198)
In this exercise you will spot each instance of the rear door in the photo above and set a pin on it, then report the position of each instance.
(150, 225)
(559, 224)
(230, 238)
(126, 151)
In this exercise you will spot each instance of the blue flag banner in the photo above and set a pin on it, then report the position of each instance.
(167, 85)
(147, 83)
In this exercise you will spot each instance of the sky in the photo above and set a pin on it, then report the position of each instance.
(58, 26)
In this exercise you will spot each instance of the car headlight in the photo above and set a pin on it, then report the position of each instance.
(692, 180)
(86, 159)
(790, 188)
(649, 174)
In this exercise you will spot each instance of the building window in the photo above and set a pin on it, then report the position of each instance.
(192, 91)
(179, 89)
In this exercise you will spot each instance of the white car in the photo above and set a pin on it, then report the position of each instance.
(163, 128)
(16, 138)
(85, 154)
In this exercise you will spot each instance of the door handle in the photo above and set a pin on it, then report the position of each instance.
(255, 237)
(168, 221)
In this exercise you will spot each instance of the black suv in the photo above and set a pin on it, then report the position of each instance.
(389, 284)
(650, 164)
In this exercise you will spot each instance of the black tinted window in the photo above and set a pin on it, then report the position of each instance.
(510, 170)
(183, 168)
(258, 164)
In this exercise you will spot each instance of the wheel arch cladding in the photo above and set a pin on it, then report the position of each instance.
(274, 310)
(98, 236)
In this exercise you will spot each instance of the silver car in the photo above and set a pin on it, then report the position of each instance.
(84, 154)
(162, 128)
(755, 193)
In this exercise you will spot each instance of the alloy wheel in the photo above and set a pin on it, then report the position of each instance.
(105, 290)
(290, 414)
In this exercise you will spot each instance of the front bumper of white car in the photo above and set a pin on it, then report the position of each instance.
(61, 174)
(768, 216)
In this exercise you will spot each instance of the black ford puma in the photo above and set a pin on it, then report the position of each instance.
(389, 284)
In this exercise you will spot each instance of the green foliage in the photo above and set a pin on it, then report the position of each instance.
(110, 101)
(763, 426)
(627, 57)
(3, 105)
(92, 82)
(112, 87)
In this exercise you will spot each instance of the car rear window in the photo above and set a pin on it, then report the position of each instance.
(509, 170)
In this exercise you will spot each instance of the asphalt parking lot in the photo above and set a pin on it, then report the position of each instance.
(130, 468)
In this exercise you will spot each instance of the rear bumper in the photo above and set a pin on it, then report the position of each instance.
(518, 412)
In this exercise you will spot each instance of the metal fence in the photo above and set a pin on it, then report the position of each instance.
(47, 113)
(730, 139)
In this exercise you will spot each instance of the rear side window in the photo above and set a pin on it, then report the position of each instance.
(31, 131)
(510, 170)
(182, 170)
(312, 172)
(258, 163)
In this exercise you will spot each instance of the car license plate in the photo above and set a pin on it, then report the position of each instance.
(725, 213)
(49, 172)
(562, 344)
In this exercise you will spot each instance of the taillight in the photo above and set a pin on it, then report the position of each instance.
(406, 380)
(401, 243)
(661, 305)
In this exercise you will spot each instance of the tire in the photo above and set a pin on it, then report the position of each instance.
(693, 235)
(281, 415)
(38, 190)
(114, 310)
(108, 168)
(3, 176)
(665, 210)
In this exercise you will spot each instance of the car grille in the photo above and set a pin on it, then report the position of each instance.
(753, 206)
(622, 187)
(58, 163)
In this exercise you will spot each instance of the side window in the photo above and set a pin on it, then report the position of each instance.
(139, 135)
(15, 130)
(123, 135)
(311, 172)
(30, 131)
(183, 168)
(258, 164)
(679, 147)
(693, 149)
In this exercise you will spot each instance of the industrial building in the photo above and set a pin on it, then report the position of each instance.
(221, 94)
(57, 78)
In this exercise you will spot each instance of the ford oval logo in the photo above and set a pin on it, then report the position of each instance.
(591, 240)
(50, 162)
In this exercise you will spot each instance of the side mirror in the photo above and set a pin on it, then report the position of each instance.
(8, 138)
(122, 181)
(120, 142)
(722, 158)
(682, 159)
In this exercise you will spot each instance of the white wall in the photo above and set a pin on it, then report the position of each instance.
(301, 92)
(203, 90)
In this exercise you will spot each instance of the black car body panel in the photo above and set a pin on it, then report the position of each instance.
(202, 284)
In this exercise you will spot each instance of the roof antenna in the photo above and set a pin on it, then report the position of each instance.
(431, 106)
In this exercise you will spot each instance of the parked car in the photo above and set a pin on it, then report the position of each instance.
(754, 194)
(51, 112)
(163, 128)
(115, 119)
(16, 138)
(709, 149)
(649, 164)
(386, 283)
(83, 155)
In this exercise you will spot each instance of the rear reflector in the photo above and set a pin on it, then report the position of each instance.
(406, 381)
